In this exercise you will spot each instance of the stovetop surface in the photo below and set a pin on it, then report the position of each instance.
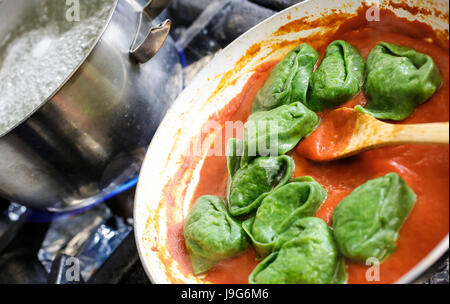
(21, 242)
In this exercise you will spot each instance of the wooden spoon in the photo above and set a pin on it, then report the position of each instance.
(345, 132)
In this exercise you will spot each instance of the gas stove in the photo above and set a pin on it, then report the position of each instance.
(35, 247)
(97, 245)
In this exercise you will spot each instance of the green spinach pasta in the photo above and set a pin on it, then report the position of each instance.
(305, 253)
(367, 222)
(339, 77)
(277, 131)
(248, 185)
(211, 234)
(289, 80)
(299, 198)
(398, 80)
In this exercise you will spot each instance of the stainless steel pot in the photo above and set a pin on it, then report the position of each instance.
(91, 135)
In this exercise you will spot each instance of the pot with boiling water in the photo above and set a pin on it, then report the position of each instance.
(79, 102)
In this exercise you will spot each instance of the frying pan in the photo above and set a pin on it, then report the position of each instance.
(212, 89)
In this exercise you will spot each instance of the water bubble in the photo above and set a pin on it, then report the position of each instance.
(39, 55)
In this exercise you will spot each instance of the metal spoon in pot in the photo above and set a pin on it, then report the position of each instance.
(345, 132)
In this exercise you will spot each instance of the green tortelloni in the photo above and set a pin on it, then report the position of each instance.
(367, 222)
(289, 80)
(399, 79)
(299, 198)
(305, 253)
(248, 185)
(277, 131)
(339, 77)
(211, 234)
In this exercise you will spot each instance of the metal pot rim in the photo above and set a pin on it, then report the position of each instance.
(75, 70)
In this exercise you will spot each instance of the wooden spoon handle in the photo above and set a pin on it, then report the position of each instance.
(430, 133)
(363, 132)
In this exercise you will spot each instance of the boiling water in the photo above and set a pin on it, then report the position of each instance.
(37, 57)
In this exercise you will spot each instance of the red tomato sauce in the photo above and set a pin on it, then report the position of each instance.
(424, 168)
(331, 136)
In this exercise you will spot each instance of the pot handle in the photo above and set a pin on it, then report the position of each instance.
(144, 51)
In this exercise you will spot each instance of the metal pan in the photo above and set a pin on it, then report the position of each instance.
(89, 137)
(208, 93)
